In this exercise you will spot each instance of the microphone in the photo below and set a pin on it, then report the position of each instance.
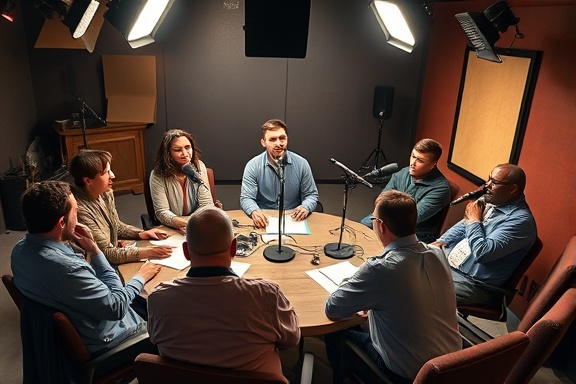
(351, 173)
(470, 195)
(384, 171)
(191, 173)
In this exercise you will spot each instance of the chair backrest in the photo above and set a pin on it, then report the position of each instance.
(154, 369)
(560, 278)
(441, 217)
(72, 343)
(210, 173)
(497, 312)
(14, 292)
(488, 362)
(544, 336)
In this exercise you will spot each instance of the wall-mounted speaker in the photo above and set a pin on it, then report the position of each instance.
(383, 98)
(276, 28)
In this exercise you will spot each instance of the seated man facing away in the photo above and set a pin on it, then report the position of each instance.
(407, 292)
(79, 282)
(496, 233)
(426, 184)
(260, 181)
(213, 317)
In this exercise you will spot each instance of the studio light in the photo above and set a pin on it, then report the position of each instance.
(79, 16)
(403, 22)
(137, 20)
(483, 28)
(9, 10)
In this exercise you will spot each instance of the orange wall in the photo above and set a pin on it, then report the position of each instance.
(548, 153)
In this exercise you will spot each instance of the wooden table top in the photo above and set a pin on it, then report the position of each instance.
(305, 294)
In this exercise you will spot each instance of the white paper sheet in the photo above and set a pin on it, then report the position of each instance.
(332, 276)
(178, 260)
(292, 227)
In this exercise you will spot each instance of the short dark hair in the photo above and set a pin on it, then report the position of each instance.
(164, 164)
(398, 211)
(429, 146)
(515, 175)
(44, 203)
(272, 125)
(88, 163)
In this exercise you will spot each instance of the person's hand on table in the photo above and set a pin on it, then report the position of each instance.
(179, 223)
(148, 270)
(300, 213)
(154, 234)
(159, 252)
(259, 219)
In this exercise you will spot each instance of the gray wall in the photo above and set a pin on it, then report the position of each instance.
(206, 85)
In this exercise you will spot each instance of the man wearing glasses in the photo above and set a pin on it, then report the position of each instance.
(407, 293)
(496, 233)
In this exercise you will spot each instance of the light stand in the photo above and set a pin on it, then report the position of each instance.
(273, 253)
(83, 107)
(375, 154)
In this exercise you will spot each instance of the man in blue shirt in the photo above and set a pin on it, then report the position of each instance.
(407, 293)
(496, 233)
(75, 279)
(426, 184)
(261, 180)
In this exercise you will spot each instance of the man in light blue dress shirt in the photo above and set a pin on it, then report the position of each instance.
(496, 233)
(75, 279)
(261, 181)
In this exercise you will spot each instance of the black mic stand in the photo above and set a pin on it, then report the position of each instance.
(83, 107)
(273, 253)
(339, 250)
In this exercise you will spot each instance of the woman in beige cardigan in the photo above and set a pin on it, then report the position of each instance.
(176, 194)
(96, 209)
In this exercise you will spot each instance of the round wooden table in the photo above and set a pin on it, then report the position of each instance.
(305, 294)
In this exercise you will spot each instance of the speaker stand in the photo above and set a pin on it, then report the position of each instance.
(373, 159)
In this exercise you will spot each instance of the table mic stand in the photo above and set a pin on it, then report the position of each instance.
(375, 153)
(339, 250)
(273, 253)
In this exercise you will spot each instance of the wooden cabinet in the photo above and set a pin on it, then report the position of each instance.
(125, 141)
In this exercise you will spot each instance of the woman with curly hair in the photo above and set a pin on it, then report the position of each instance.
(179, 181)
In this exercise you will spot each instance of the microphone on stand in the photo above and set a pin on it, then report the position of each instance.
(351, 173)
(191, 173)
(384, 171)
(470, 195)
(272, 253)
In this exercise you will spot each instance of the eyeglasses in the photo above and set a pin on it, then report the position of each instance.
(498, 182)
(375, 218)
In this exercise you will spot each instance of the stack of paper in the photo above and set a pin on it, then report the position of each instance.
(291, 226)
(331, 277)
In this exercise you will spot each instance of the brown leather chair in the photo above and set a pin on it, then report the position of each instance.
(149, 219)
(154, 369)
(86, 368)
(488, 362)
(544, 336)
(497, 312)
(539, 299)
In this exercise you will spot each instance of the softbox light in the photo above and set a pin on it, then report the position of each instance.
(79, 16)
(483, 28)
(138, 20)
(404, 23)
